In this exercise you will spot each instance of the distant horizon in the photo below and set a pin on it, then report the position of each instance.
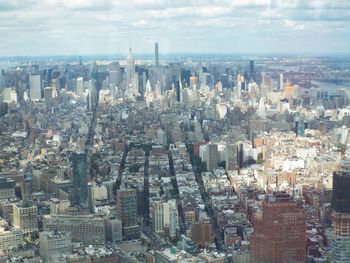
(195, 54)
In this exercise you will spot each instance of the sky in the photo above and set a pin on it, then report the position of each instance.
(78, 27)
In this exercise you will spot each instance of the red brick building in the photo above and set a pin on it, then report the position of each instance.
(279, 231)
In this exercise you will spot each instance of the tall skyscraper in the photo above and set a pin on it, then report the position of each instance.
(80, 178)
(239, 81)
(279, 231)
(231, 157)
(127, 212)
(251, 70)
(281, 82)
(80, 86)
(156, 56)
(35, 87)
(131, 77)
(340, 242)
(212, 157)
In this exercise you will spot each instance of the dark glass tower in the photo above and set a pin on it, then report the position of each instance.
(251, 70)
(340, 242)
(80, 178)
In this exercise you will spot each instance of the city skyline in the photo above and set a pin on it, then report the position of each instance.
(259, 26)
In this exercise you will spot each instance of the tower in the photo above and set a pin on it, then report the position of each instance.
(131, 77)
(212, 157)
(80, 86)
(251, 70)
(35, 87)
(281, 82)
(156, 57)
(340, 242)
(127, 212)
(279, 231)
(80, 178)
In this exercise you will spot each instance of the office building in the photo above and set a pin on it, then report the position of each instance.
(340, 242)
(281, 82)
(127, 212)
(80, 86)
(114, 77)
(53, 244)
(25, 217)
(251, 70)
(279, 231)
(114, 230)
(7, 187)
(231, 157)
(202, 234)
(165, 217)
(35, 87)
(80, 178)
(86, 229)
(211, 157)
(10, 237)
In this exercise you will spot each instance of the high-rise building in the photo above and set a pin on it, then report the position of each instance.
(86, 229)
(35, 87)
(279, 231)
(53, 244)
(156, 56)
(239, 85)
(266, 84)
(211, 157)
(202, 234)
(251, 70)
(10, 237)
(80, 178)
(231, 157)
(127, 212)
(114, 77)
(281, 82)
(340, 242)
(131, 77)
(80, 86)
(25, 217)
(165, 217)
(114, 230)
(7, 187)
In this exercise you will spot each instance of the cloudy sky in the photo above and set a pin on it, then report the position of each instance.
(69, 27)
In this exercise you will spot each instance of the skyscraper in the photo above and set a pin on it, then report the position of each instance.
(340, 242)
(35, 87)
(156, 57)
(80, 178)
(131, 77)
(80, 86)
(212, 157)
(251, 70)
(281, 82)
(127, 212)
(279, 231)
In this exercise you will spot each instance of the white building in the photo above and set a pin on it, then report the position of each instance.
(165, 216)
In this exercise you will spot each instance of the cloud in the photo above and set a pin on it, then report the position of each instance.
(29, 27)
